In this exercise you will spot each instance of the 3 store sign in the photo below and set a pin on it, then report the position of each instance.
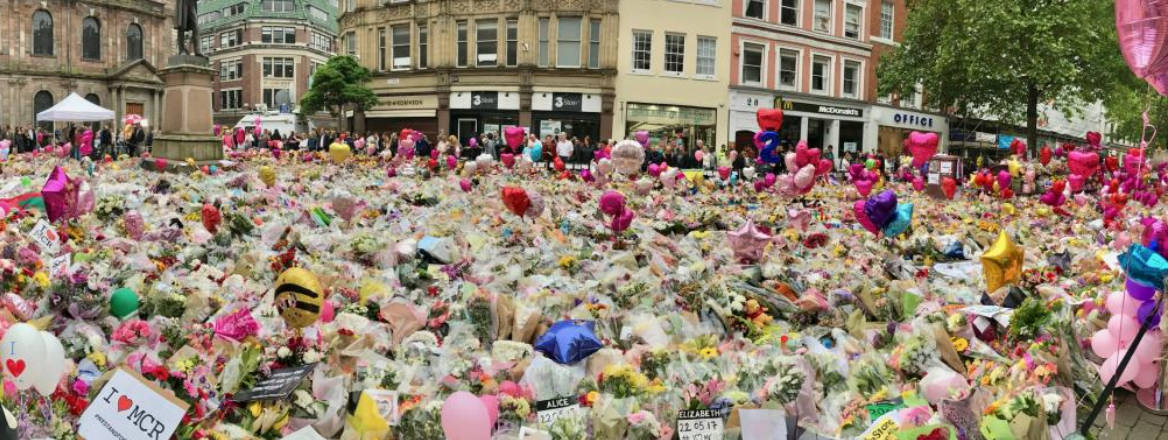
(909, 119)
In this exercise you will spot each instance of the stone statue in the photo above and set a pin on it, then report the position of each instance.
(186, 19)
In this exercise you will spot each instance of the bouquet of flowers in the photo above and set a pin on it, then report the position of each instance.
(643, 426)
(622, 381)
(422, 422)
(784, 386)
(915, 355)
(870, 375)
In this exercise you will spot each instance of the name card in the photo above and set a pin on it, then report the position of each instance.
(548, 411)
(702, 424)
(279, 385)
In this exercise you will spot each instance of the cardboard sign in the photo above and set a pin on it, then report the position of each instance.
(59, 266)
(884, 428)
(763, 424)
(305, 433)
(548, 411)
(46, 237)
(131, 408)
(702, 424)
(279, 385)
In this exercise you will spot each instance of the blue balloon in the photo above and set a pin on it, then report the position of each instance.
(900, 221)
(734, 178)
(214, 169)
(769, 153)
(536, 152)
(1145, 266)
(568, 341)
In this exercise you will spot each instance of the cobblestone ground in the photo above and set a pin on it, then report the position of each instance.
(1132, 422)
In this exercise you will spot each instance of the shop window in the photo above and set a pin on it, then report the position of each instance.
(707, 54)
(852, 79)
(461, 43)
(886, 11)
(568, 42)
(822, 20)
(675, 54)
(90, 39)
(752, 61)
(42, 33)
(789, 12)
(487, 42)
(513, 41)
(642, 51)
(401, 46)
(423, 46)
(820, 73)
(544, 22)
(134, 41)
(852, 21)
(594, 44)
(754, 9)
(788, 69)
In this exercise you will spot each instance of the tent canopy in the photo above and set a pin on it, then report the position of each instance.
(74, 108)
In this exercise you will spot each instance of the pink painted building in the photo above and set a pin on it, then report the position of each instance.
(816, 59)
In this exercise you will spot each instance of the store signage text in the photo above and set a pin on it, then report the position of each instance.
(484, 100)
(568, 102)
(910, 119)
(819, 108)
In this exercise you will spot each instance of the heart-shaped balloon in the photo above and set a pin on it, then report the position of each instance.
(864, 187)
(881, 207)
(451, 162)
(1083, 163)
(1093, 138)
(508, 159)
(642, 137)
(622, 221)
(824, 167)
(861, 212)
(949, 187)
(1004, 179)
(918, 183)
(160, 164)
(1044, 155)
(516, 200)
(612, 202)
(922, 146)
(1017, 147)
(769, 119)
(791, 160)
(1111, 163)
(465, 185)
(1076, 182)
(1140, 25)
(654, 170)
(770, 179)
(805, 179)
(724, 172)
(514, 136)
(558, 164)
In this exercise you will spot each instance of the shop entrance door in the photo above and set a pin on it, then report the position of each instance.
(467, 127)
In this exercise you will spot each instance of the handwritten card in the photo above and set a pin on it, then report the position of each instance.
(548, 411)
(704, 424)
(131, 408)
(46, 237)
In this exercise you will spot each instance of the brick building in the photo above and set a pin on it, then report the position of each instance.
(265, 52)
(107, 51)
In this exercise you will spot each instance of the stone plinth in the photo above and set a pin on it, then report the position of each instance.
(186, 112)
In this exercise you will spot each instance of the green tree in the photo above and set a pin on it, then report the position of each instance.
(1002, 58)
(338, 85)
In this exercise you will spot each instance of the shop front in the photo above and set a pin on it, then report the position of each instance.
(680, 125)
(577, 115)
(394, 113)
(892, 126)
(834, 127)
(477, 112)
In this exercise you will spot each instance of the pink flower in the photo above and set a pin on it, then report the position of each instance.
(637, 417)
(134, 331)
(666, 432)
(9, 388)
(80, 387)
(510, 388)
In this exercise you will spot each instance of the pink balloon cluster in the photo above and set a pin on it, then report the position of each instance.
(804, 165)
(1141, 26)
(862, 178)
(1083, 165)
(1155, 235)
(612, 203)
(1111, 343)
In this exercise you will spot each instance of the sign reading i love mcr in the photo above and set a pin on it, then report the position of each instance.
(130, 408)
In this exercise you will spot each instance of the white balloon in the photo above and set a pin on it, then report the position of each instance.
(22, 352)
(53, 367)
(748, 173)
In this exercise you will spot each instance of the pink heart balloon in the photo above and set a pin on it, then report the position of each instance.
(514, 137)
(791, 160)
(864, 187)
(824, 167)
(508, 159)
(1076, 182)
(805, 179)
(1083, 162)
(922, 146)
(918, 183)
(802, 155)
(724, 172)
(862, 216)
(642, 137)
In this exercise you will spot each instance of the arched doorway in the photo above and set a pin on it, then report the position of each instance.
(42, 101)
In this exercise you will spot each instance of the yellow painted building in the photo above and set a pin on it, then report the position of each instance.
(673, 73)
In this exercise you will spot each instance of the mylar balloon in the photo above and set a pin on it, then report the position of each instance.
(568, 342)
(612, 202)
(1002, 263)
(268, 176)
(298, 297)
(514, 136)
(123, 303)
(339, 152)
(922, 146)
(516, 200)
(534, 205)
(1144, 265)
(628, 156)
(22, 352)
(901, 221)
(748, 242)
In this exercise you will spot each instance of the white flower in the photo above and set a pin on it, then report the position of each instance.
(283, 352)
(1051, 402)
(311, 356)
(302, 398)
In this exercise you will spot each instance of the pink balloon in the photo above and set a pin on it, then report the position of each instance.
(824, 167)
(1003, 179)
(805, 178)
(642, 137)
(1150, 347)
(1140, 25)
(464, 417)
(1124, 327)
(724, 172)
(491, 402)
(791, 161)
(1103, 343)
(699, 155)
(1146, 374)
(451, 162)
(327, 311)
(654, 170)
(465, 185)
(622, 221)
(770, 179)
(864, 186)
(922, 146)
(612, 203)
(862, 216)
(918, 183)
(514, 137)
(1118, 303)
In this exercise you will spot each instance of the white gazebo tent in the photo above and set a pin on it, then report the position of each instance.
(74, 108)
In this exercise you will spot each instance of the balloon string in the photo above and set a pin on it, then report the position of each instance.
(22, 424)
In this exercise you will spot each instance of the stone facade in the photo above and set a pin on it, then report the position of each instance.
(235, 35)
(435, 75)
(113, 74)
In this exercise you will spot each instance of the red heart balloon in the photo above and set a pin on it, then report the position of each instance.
(769, 118)
(1093, 138)
(1112, 163)
(949, 187)
(558, 164)
(1044, 155)
(516, 200)
(508, 159)
(1083, 163)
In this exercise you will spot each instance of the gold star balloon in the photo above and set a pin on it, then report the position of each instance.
(748, 242)
(1002, 263)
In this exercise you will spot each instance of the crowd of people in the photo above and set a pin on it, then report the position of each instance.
(81, 140)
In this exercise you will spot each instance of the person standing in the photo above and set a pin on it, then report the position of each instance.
(489, 145)
(107, 139)
(564, 149)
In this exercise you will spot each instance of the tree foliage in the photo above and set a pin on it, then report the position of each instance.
(1002, 58)
(337, 85)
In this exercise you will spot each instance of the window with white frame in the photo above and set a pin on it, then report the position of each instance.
(789, 12)
(461, 40)
(544, 23)
(317, 14)
(278, 5)
(594, 43)
(821, 22)
(568, 42)
(851, 79)
(752, 61)
(381, 49)
(852, 14)
(231, 38)
(788, 68)
(487, 42)
(351, 43)
(277, 67)
(820, 73)
(321, 42)
(401, 46)
(231, 69)
(674, 54)
(642, 51)
(707, 55)
(886, 11)
(230, 99)
(423, 46)
(278, 34)
(512, 41)
(754, 9)
(206, 43)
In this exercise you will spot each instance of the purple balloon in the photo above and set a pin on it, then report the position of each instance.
(881, 208)
(1139, 291)
(1149, 308)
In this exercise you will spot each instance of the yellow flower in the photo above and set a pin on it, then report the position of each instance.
(254, 409)
(960, 344)
(98, 358)
(708, 353)
(567, 261)
(41, 279)
(1106, 277)
(593, 396)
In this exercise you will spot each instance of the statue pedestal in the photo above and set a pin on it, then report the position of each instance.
(186, 114)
